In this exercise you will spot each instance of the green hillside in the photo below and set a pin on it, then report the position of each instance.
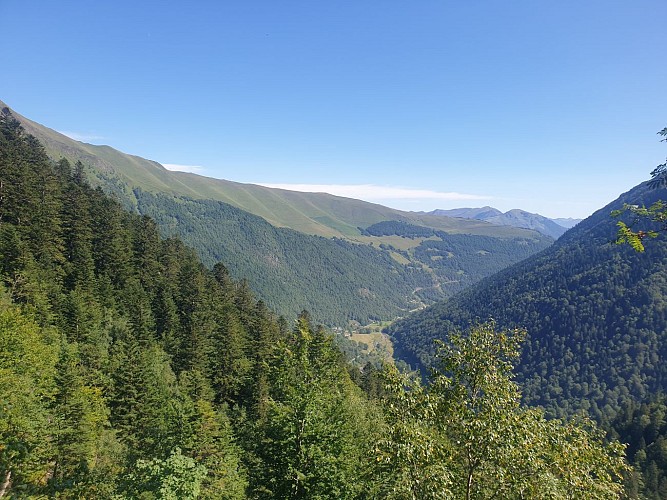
(303, 250)
(594, 311)
(311, 213)
(129, 370)
(596, 318)
(318, 214)
(335, 279)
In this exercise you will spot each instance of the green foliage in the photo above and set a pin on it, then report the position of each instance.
(656, 214)
(411, 458)
(80, 421)
(502, 449)
(130, 370)
(467, 436)
(90, 389)
(659, 173)
(647, 218)
(175, 478)
(212, 445)
(315, 433)
(644, 427)
(27, 370)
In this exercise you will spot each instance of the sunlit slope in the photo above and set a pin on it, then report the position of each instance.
(305, 250)
(312, 213)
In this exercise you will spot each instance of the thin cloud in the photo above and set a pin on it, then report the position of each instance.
(82, 136)
(372, 192)
(193, 169)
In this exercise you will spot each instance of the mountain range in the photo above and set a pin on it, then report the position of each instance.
(515, 218)
(131, 370)
(319, 214)
(116, 322)
(303, 250)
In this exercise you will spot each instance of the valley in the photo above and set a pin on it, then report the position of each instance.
(579, 296)
(303, 250)
(190, 313)
(333, 251)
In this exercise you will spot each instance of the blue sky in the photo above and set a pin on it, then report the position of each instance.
(552, 107)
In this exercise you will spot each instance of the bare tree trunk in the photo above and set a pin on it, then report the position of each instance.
(6, 484)
(469, 485)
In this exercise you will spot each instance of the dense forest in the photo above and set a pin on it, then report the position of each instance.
(130, 370)
(338, 281)
(595, 316)
(335, 279)
(593, 309)
(267, 237)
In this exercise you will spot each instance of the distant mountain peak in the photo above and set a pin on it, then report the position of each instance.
(515, 217)
(468, 213)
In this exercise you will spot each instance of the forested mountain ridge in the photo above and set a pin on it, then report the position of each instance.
(596, 318)
(129, 370)
(339, 279)
(319, 214)
(594, 311)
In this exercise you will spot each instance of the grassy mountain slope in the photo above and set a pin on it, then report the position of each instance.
(311, 213)
(334, 279)
(594, 311)
(527, 220)
(300, 250)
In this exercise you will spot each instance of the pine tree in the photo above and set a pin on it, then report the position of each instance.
(313, 438)
(81, 418)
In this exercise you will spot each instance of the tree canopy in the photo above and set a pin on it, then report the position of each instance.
(130, 370)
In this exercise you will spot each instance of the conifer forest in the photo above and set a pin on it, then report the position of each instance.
(130, 370)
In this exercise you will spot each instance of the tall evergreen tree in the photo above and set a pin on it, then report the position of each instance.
(81, 420)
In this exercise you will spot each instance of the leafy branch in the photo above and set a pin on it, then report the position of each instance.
(655, 214)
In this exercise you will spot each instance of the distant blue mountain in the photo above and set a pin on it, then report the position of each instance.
(516, 218)
(568, 222)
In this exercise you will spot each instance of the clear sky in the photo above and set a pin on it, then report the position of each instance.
(552, 107)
